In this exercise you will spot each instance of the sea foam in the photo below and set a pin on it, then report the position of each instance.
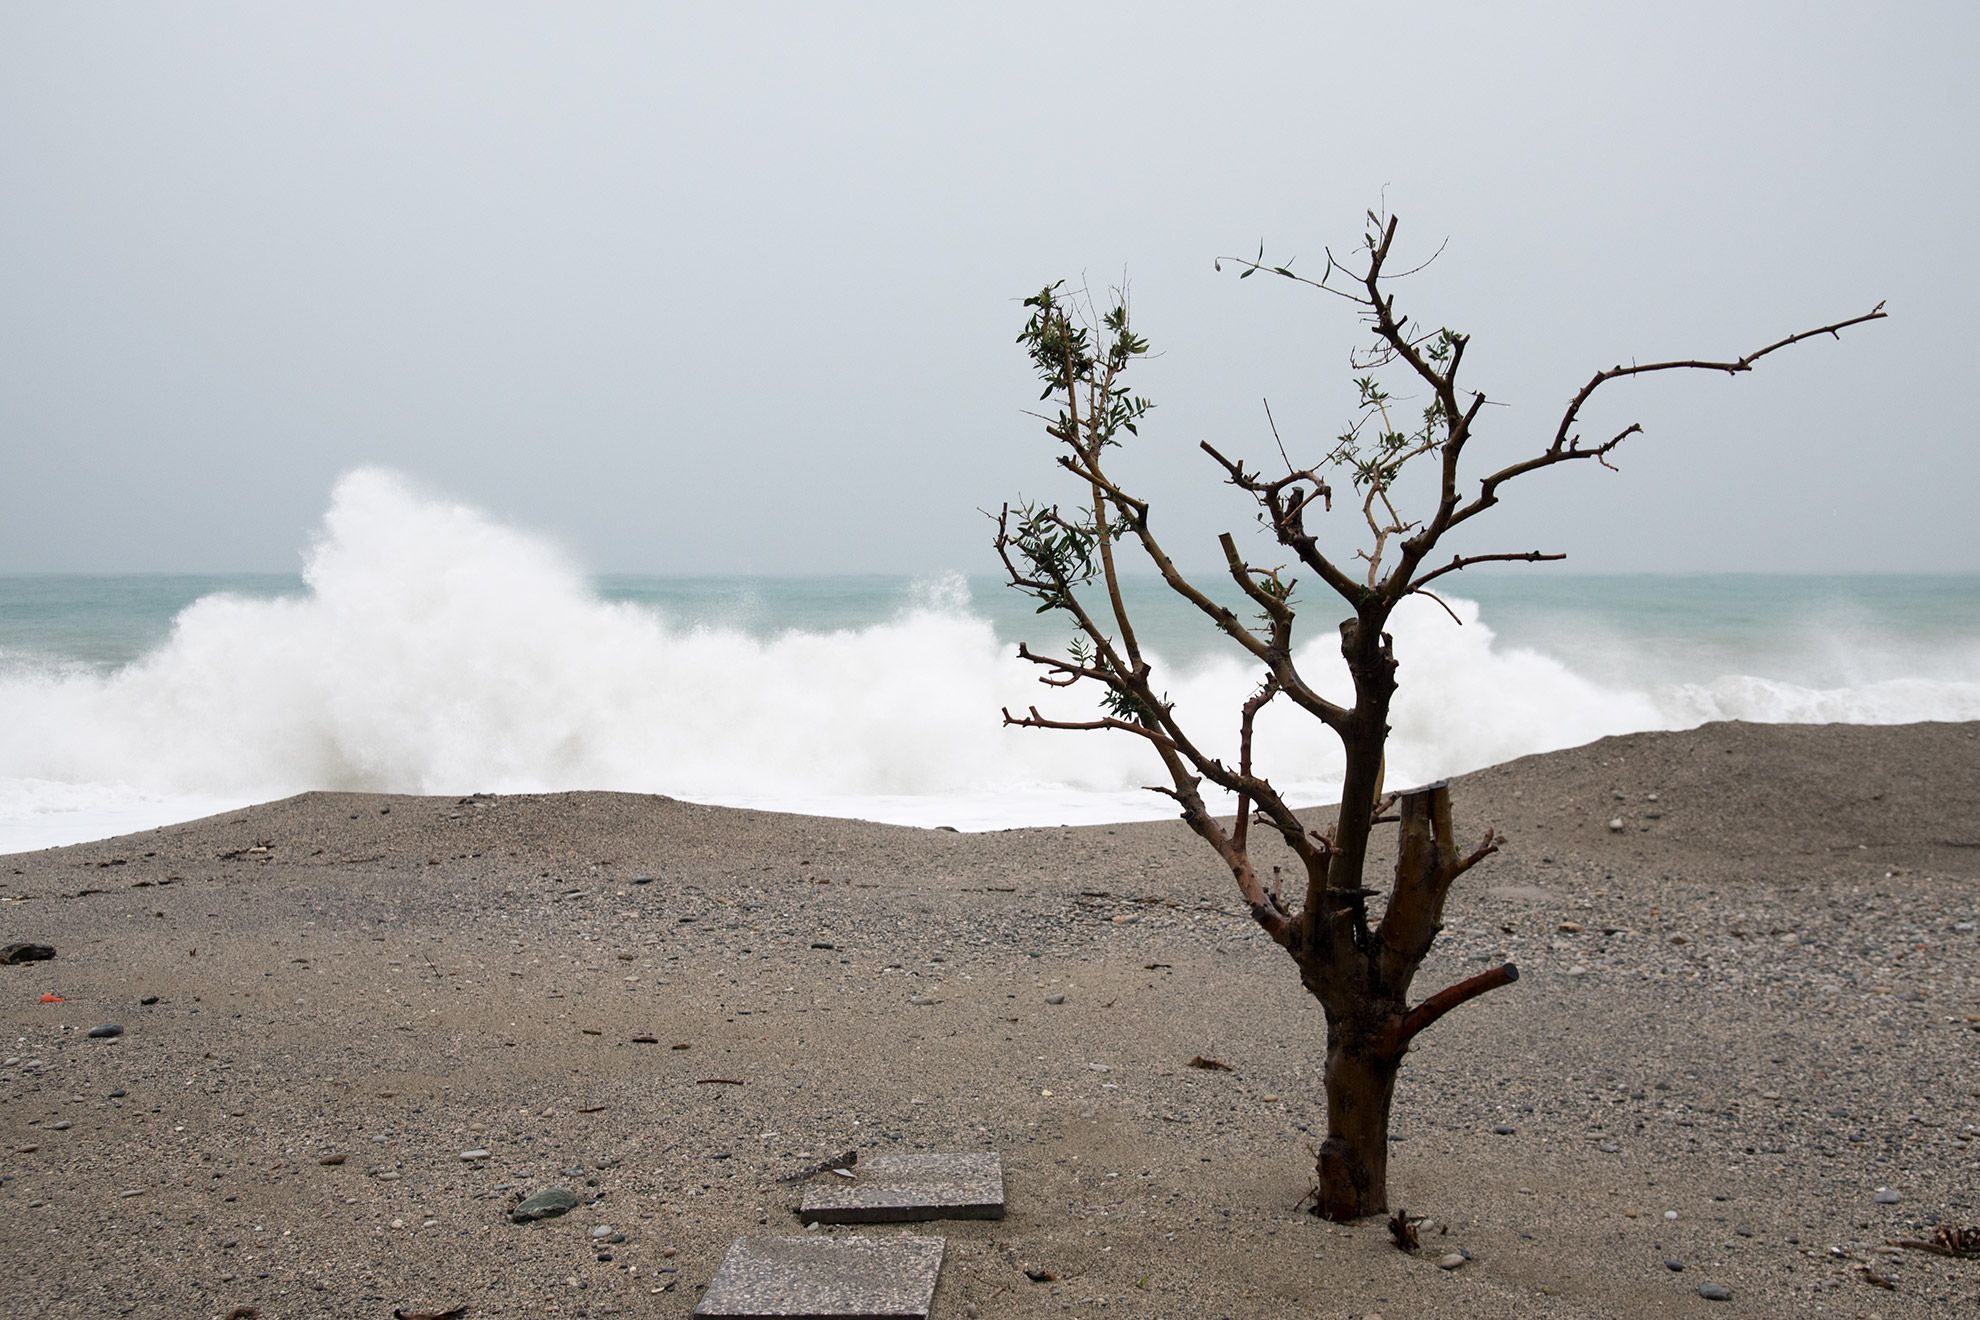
(435, 650)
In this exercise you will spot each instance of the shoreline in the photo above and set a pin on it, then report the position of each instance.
(793, 809)
(1766, 1006)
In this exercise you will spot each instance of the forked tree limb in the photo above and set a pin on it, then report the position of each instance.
(1489, 845)
(1566, 446)
(1292, 532)
(1732, 367)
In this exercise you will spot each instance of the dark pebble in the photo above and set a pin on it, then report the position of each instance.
(118, 1094)
(1503, 1130)
(1715, 1292)
(21, 953)
(642, 880)
(1674, 1265)
(148, 1000)
(106, 1031)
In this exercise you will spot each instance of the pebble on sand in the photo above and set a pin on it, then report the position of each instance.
(1715, 1292)
(546, 1204)
(106, 1031)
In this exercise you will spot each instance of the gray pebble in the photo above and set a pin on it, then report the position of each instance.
(602, 1231)
(1055, 999)
(546, 1204)
(1609, 1148)
(470, 1156)
(1887, 1196)
(1674, 1265)
(106, 1031)
(1455, 1261)
(1715, 1292)
(1503, 1130)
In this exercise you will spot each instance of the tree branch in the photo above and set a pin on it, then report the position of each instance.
(1460, 562)
(1031, 719)
(1735, 366)
(1450, 997)
(1287, 523)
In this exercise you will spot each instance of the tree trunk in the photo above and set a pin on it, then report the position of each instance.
(1353, 1165)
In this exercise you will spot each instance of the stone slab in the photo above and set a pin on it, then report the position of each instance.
(825, 1278)
(899, 1188)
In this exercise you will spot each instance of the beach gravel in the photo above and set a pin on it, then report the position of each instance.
(1739, 1016)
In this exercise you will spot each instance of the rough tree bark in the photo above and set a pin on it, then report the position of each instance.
(1360, 967)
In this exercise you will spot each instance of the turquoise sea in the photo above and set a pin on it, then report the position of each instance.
(428, 649)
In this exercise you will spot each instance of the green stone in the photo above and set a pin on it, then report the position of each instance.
(546, 1204)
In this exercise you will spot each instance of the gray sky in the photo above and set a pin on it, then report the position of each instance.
(732, 288)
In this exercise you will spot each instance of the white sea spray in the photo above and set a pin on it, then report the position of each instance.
(434, 650)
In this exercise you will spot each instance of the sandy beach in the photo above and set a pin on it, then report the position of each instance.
(1745, 1010)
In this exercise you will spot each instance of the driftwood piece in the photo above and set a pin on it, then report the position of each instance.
(1946, 1240)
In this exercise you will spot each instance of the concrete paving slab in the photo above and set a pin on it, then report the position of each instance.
(898, 1188)
(825, 1278)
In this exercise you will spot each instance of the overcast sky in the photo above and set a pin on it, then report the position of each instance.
(732, 287)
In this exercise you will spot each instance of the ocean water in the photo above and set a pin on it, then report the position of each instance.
(428, 648)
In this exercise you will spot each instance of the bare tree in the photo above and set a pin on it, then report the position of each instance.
(1358, 965)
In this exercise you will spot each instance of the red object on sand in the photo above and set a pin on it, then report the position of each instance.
(51, 999)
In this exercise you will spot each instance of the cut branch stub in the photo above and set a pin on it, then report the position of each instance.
(1450, 997)
(1426, 864)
